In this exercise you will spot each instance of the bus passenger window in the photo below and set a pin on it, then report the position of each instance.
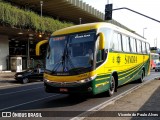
(148, 48)
(116, 42)
(139, 48)
(143, 48)
(133, 45)
(125, 42)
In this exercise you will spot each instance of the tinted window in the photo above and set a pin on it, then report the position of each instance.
(148, 48)
(143, 47)
(125, 42)
(107, 35)
(116, 42)
(139, 49)
(133, 45)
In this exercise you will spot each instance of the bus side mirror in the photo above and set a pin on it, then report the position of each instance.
(101, 41)
(38, 45)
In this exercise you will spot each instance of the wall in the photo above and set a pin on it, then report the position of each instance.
(4, 52)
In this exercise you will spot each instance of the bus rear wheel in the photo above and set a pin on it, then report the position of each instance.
(140, 80)
(111, 90)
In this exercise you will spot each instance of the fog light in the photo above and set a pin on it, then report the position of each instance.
(46, 80)
(82, 81)
(90, 89)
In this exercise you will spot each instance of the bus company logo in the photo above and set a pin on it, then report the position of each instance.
(81, 36)
(118, 59)
(113, 59)
(63, 83)
(64, 74)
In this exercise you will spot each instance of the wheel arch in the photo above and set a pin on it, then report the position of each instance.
(144, 72)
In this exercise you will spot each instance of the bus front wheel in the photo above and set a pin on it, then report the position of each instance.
(111, 90)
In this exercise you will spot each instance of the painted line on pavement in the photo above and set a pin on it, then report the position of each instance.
(20, 91)
(110, 101)
(28, 102)
(19, 85)
(5, 80)
(9, 85)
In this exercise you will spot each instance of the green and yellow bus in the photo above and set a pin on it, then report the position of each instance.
(94, 58)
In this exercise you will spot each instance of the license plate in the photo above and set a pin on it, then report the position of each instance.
(63, 90)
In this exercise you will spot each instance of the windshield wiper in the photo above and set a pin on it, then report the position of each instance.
(56, 66)
(64, 60)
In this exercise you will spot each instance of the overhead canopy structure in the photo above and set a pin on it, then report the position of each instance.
(74, 11)
(68, 10)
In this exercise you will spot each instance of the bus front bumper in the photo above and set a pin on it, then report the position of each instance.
(68, 87)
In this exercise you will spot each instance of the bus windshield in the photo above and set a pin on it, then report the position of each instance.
(70, 52)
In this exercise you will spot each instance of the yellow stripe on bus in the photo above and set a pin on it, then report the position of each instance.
(130, 73)
(102, 78)
(101, 84)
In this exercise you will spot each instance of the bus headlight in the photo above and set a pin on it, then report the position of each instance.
(46, 80)
(87, 79)
(75, 82)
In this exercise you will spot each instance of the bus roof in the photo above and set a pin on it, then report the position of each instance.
(78, 28)
(96, 25)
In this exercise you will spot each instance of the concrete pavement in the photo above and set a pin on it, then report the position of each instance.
(144, 99)
(7, 75)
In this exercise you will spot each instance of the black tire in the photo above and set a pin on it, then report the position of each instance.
(47, 89)
(141, 80)
(25, 80)
(112, 88)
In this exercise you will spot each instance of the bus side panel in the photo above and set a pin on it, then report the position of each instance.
(101, 83)
(128, 66)
(123, 64)
(128, 70)
(130, 74)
